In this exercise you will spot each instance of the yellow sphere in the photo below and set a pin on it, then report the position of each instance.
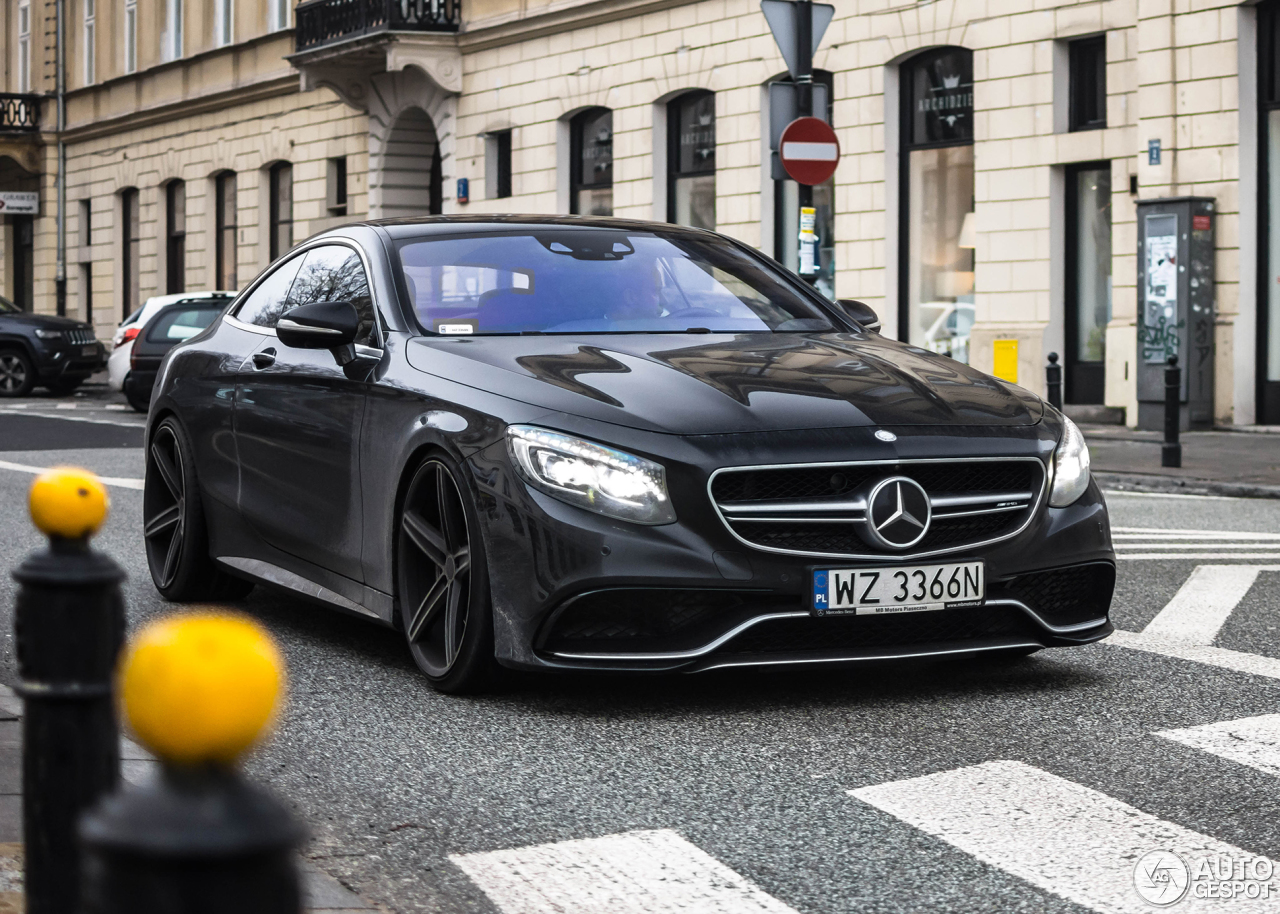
(201, 687)
(68, 502)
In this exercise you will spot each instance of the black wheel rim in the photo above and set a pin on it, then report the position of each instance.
(164, 506)
(13, 374)
(434, 561)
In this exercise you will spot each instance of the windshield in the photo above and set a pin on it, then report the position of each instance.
(598, 280)
(8, 307)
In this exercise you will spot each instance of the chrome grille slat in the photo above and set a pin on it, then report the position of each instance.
(805, 526)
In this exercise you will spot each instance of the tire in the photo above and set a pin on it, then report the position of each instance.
(442, 580)
(17, 374)
(173, 524)
(62, 388)
(138, 405)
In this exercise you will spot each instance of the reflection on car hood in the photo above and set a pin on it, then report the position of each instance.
(51, 321)
(708, 384)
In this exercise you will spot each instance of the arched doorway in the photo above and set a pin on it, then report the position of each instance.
(410, 175)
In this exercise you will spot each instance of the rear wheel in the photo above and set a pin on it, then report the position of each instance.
(17, 376)
(173, 524)
(139, 403)
(443, 581)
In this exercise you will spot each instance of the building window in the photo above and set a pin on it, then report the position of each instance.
(1268, 332)
(786, 200)
(86, 260)
(280, 220)
(90, 41)
(691, 160)
(24, 46)
(130, 36)
(224, 189)
(1087, 97)
(279, 14)
(173, 30)
(497, 164)
(336, 186)
(591, 163)
(936, 244)
(222, 13)
(130, 248)
(175, 220)
(1088, 280)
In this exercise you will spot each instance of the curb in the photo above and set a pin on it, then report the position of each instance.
(1152, 482)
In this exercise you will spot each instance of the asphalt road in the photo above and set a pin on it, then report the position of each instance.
(756, 769)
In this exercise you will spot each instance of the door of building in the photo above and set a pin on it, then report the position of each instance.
(1088, 281)
(24, 260)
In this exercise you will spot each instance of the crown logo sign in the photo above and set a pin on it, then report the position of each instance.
(950, 82)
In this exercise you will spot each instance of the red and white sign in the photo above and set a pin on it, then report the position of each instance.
(809, 150)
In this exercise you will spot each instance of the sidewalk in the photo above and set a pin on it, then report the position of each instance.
(322, 893)
(1234, 463)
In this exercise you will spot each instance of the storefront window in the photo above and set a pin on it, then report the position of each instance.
(1268, 336)
(691, 160)
(591, 134)
(937, 304)
(1088, 280)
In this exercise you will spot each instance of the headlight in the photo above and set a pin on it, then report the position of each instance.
(1070, 468)
(49, 334)
(600, 479)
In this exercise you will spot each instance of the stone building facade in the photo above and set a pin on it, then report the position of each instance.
(986, 203)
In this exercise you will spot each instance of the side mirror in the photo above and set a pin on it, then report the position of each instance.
(322, 325)
(863, 314)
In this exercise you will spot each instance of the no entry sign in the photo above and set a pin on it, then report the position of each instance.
(809, 150)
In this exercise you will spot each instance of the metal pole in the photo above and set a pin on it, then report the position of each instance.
(68, 629)
(804, 108)
(1053, 381)
(60, 73)
(1171, 450)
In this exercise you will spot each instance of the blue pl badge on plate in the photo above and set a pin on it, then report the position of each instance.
(820, 603)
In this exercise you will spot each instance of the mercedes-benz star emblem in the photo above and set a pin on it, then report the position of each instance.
(885, 435)
(898, 513)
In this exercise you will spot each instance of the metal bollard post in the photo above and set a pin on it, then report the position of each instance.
(68, 628)
(1053, 381)
(198, 690)
(1171, 450)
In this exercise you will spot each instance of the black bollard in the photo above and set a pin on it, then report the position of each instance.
(1171, 450)
(1053, 381)
(201, 839)
(68, 630)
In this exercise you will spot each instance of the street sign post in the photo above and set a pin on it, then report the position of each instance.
(809, 150)
(798, 27)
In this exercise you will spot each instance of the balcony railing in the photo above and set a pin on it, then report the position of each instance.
(321, 22)
(19, 113)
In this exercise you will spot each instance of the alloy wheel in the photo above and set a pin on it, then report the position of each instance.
(435, 568)
(164, 505)
(13, 373)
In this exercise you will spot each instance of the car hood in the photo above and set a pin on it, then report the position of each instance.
(50, 321)
(722, 383)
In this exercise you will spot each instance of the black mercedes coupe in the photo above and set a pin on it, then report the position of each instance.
(544, 442)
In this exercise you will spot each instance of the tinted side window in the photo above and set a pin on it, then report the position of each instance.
(335, 273)
(270, 299)
(179, 325)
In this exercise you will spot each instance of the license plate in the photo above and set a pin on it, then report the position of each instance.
(913, 588)
(89, 350)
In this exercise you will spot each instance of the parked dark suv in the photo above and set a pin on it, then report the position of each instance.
(40, 349)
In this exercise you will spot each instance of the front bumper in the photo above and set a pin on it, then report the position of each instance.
(68, 362)
(573, 590)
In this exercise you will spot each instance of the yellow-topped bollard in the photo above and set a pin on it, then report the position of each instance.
(201, 687)
(68, 502)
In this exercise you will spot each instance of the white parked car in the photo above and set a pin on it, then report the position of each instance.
(122, 343)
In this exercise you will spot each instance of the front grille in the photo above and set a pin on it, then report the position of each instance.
(79, 336)
(1063, 596)
(851, 633)
(651, 620)
(811, 510)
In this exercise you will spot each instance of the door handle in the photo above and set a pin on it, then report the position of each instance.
(264, 359)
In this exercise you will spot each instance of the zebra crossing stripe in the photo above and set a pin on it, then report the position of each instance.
(1236, 661)
(1062, 837)
(638, 872)
(1203, 603)
(1252, 741)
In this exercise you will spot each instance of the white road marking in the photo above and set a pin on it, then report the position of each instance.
(1171, 533)
(1060, 836)
(138, 424)
(1198, 556)
(1252, 741)
(117, 481)
(1203, 604)
(1236, 661)
(639, 872)
(1117, 493)
(1164, 544)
